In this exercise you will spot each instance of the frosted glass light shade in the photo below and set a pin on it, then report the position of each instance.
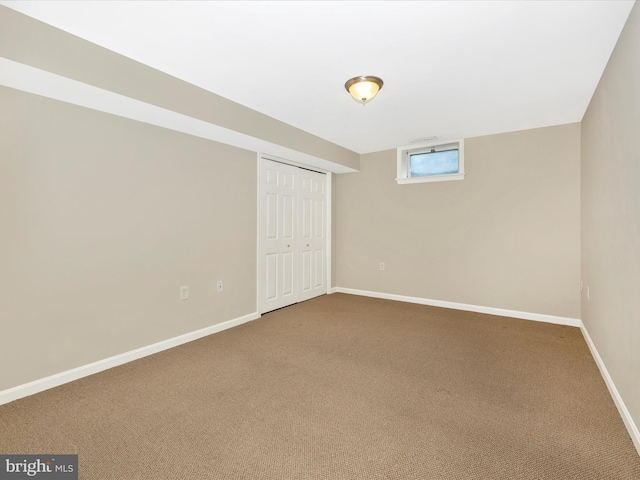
(363, 89)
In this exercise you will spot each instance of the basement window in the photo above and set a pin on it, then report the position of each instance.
(431, 162)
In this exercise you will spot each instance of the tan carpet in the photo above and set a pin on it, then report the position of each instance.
(342, 387)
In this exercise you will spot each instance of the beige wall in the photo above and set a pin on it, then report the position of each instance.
(102, 219)
(507, 236)
(611, 216)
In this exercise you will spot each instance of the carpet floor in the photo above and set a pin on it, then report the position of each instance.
(342, 387)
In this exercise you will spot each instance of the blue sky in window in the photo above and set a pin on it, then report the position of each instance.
(434, 163)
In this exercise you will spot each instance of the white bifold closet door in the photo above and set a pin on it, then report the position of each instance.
(293, 235)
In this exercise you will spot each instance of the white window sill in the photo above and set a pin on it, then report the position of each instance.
(434, 178)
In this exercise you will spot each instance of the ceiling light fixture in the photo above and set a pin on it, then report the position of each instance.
(364, 88)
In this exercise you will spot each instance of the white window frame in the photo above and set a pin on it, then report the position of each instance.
(403, 161)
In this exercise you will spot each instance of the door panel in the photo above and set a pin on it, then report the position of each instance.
(293, 220)
(271, 276)
(288, 222)
(288, 276)
(279, 265)
(271, 216)
(305, 204)
(319, 269)
(305, 261)
(313, 241)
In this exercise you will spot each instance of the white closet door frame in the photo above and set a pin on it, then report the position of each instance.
(259, 306)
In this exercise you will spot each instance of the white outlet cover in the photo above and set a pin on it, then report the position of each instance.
(184, 293)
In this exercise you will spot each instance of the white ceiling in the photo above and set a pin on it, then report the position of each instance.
(452, 69)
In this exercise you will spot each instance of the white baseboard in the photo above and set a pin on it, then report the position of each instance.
(332, 290)
(57, 379)
(632, 428)
(538, 317)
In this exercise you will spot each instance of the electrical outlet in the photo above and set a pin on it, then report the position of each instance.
(184, 293)
(219, 286)
(381, 265)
